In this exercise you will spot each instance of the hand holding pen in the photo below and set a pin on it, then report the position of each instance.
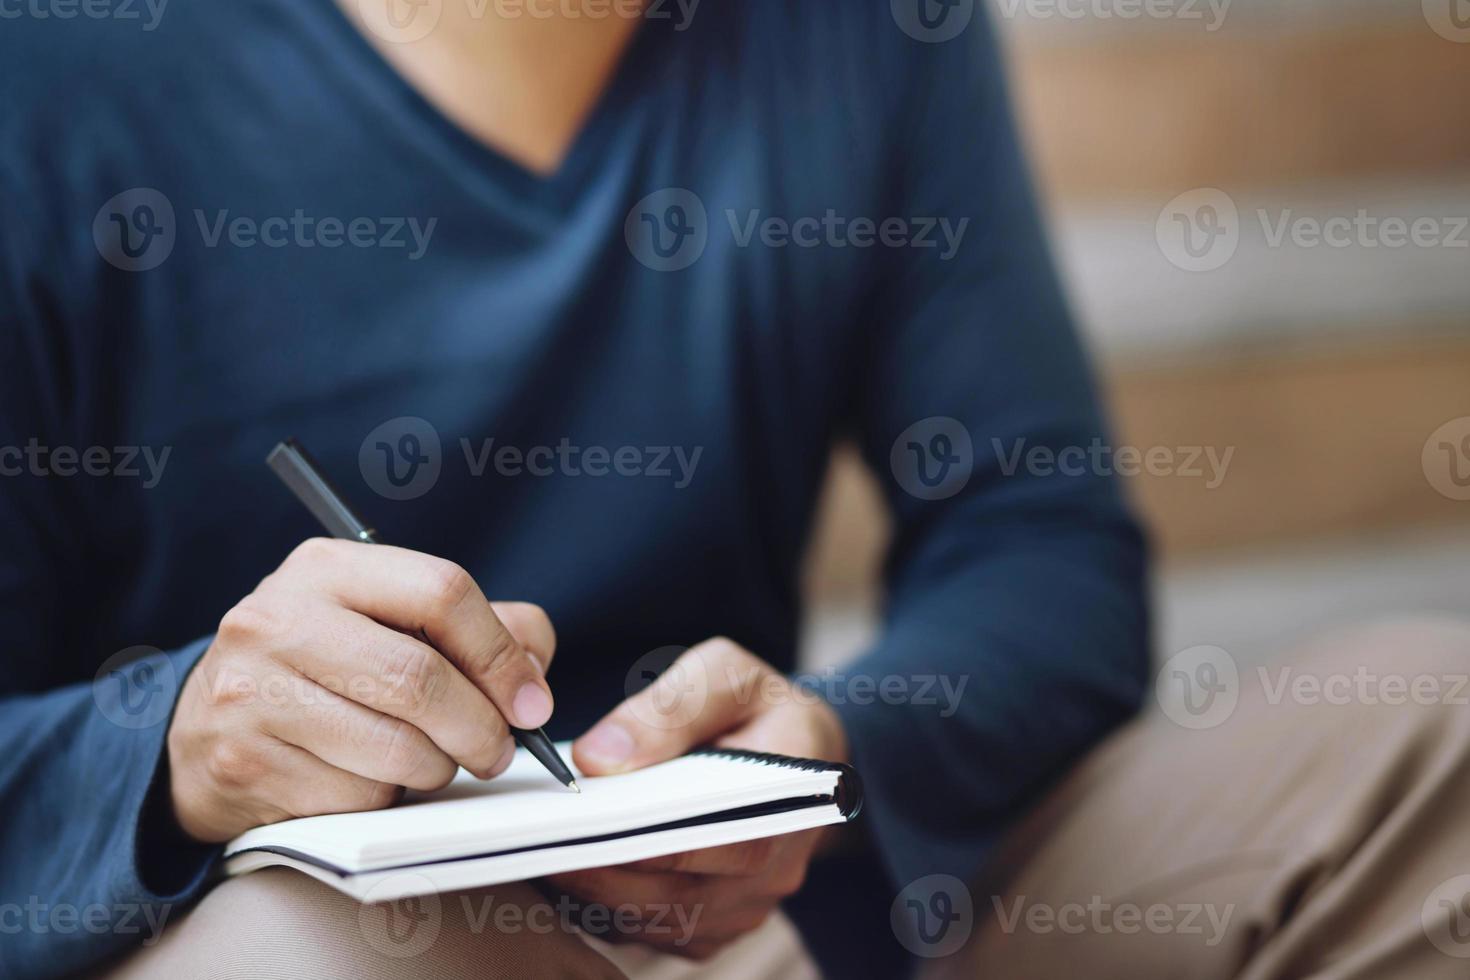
(351, 672)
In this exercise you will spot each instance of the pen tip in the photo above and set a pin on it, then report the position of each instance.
(575, 788)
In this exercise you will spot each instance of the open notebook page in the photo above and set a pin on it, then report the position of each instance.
(526, 807)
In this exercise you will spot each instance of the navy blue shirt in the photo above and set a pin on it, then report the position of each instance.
(783, 225)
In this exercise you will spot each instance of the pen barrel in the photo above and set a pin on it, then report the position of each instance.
(541, 748)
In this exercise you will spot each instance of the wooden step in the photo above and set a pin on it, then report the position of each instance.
(1150, 112)
(1321, 442)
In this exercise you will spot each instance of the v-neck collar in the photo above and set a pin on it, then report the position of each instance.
(556, 191)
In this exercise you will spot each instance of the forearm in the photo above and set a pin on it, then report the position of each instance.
(1008, 666)
(89, 862)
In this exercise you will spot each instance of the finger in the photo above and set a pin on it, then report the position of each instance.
(395, 674)
(421, 594)
(291, 782)
(707, 909)
(617, 886)
(344, 734)
(745, 859)
(531, 627)
(710, 689)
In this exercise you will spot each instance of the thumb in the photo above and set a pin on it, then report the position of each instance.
(711, 689)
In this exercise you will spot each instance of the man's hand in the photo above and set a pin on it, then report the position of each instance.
(722, 694)
(351, 672)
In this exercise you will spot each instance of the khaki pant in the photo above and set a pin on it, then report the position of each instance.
(1319, 829)
(1314, 824)
(278, 923)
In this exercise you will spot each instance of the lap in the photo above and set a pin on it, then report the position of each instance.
(280, 923)
(1300, 824)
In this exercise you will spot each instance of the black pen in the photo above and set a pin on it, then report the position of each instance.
(294, 465)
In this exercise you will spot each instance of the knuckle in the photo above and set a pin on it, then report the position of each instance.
(249, 620)
(449, 584)
(494, 737)
(235, 764)
(380, 796)
(412, 677)
(310, 552)
(230, 689)
(401, 748)
(502, 655)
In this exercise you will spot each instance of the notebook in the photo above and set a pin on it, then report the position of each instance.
(524, 824)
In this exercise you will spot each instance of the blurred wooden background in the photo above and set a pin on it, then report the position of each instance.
(1326, 395)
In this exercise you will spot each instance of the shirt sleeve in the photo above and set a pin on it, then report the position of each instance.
(1015, 618)
(90, 862)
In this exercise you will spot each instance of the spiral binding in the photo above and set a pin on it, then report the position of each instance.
(849, 798)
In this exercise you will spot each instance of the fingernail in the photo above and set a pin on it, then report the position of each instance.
(532, 706)
(608, 744)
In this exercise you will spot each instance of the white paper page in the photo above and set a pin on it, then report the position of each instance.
(387, 886)
(527, 807)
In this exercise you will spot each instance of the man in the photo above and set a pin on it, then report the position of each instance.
(452, 236)
(585, 294)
